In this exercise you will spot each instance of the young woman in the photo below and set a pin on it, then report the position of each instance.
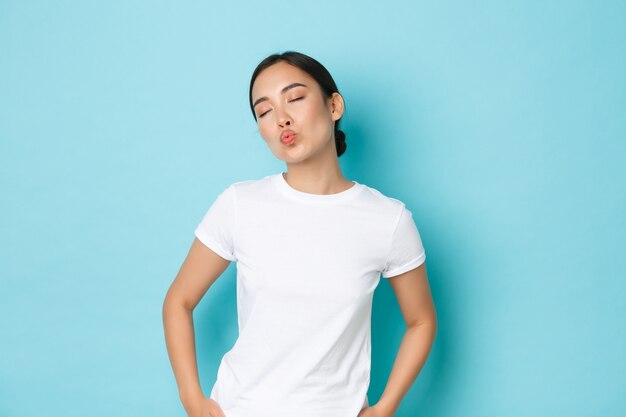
(310, 247)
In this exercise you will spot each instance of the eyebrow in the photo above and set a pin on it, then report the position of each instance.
(283, 91)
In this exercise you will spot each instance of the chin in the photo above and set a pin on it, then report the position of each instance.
(286, 155)
(291, 158)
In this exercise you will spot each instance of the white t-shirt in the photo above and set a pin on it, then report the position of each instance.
(307, 268)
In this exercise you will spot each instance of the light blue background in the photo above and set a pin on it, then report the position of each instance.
(501, 125)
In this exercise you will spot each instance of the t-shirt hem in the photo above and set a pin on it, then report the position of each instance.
(406, 267)
(213, 245)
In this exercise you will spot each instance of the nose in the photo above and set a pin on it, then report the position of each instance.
(284, 119)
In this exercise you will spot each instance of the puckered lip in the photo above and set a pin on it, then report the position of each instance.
(286, 133)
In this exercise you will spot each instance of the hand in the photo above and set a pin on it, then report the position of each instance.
(205, 407)
(374, 411)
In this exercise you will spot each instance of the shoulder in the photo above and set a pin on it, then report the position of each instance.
(381, 201)
(257, 185)
(249, 191)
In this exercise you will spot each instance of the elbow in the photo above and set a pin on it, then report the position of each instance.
(172, 301)
(427, 329)
(429, 323)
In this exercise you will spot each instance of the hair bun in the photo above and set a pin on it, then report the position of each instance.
(340, 142)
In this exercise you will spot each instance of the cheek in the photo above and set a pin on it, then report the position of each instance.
(315, 114)
(264, 130)
(318, 121)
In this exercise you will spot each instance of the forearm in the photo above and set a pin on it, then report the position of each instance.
(412, 354)
(180, 341)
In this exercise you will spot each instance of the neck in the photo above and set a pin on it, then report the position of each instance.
(317, 179)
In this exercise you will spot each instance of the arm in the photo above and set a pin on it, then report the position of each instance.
(417, 307)
(200, 269)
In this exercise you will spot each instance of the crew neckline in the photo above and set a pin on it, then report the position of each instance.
(287, 189)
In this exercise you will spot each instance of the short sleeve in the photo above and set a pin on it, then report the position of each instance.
(407, 251)
(216, 230)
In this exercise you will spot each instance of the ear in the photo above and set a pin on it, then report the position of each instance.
(336, 106)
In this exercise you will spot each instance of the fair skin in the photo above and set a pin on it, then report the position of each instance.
(312, 167)
(312, 163)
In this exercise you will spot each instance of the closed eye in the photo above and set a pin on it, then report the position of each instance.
(290, 101)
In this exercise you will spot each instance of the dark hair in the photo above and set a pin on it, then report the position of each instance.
(317, 71)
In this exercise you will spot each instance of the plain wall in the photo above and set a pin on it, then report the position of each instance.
(501, 125)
